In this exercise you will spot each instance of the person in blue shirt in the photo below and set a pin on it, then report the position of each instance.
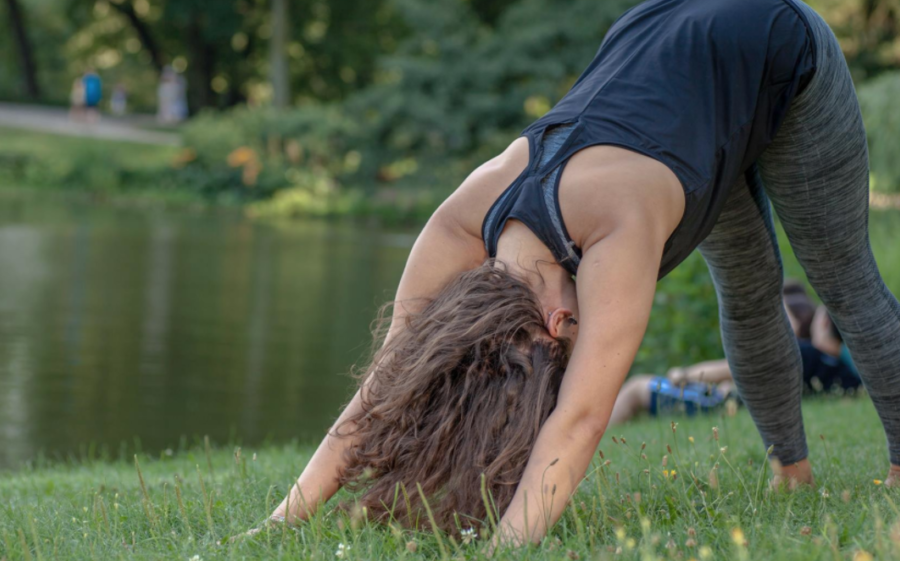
(93, 93)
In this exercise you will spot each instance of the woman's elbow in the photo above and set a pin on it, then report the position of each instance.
(589, 424)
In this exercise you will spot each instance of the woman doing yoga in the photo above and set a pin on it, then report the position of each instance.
(692, 117)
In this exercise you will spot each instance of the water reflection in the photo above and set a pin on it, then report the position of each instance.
(117, 324)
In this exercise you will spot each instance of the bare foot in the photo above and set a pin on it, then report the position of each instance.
(792, 476)
(893, 478)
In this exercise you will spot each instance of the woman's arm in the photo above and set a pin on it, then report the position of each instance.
(319, 480)
(440, 252)
(616, 283)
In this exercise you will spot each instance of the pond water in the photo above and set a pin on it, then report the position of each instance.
(116, 324)
(123, 329)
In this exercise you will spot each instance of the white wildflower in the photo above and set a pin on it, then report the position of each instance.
(468, 535)
(342, 550)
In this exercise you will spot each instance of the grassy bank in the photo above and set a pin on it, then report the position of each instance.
(212, 174)
(234, 160)
(707, 500)
(105, 170)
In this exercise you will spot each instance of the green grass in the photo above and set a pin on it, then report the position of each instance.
(47, 145)
(106, 170)
(96, 509)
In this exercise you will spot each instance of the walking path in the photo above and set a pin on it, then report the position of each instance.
(56, 120)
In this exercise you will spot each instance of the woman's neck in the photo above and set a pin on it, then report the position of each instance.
(530, 259)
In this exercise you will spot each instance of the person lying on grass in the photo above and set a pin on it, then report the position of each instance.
(708, 386)
(500, 369)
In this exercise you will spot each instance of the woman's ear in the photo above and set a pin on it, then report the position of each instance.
(560, 322)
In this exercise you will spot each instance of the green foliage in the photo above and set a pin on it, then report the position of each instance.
(454, 94)
(684, 322)
(252, 154)
(222, 46)
(633, 503)
(868, 32)
(335, 47)
(878, 100)
(454, 85)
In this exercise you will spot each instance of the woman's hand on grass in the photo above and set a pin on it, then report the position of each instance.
(272, 522)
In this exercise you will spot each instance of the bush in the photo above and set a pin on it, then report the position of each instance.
(251, 154)
(878, 100)
(684, 323)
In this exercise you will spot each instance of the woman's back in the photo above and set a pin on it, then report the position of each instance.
(700, 86)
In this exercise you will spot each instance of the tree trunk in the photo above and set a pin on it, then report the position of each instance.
(143, 33)
(26, 56)
(201, 69)
(281, 95)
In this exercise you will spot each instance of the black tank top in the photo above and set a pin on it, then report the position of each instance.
(699, 85)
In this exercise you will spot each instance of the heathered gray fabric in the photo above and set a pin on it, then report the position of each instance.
(816, 175)
(553, 140)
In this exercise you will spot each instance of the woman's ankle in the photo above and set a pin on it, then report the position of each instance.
(893, 478)
(791, 476)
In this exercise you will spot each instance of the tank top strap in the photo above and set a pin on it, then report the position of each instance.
(533, 197)
(574, 140)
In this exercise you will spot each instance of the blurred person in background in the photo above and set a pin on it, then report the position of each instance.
(76, 99)
(118, 103)
(93, 93)
(171, 97)
(706, 386)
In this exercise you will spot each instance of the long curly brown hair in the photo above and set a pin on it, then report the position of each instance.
(454, 403)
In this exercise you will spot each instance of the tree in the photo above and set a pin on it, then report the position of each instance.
(142, 30)
(278, 68)
(868, 31)
(26, 56)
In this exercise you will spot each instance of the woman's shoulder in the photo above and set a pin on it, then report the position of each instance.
(603, 186)
(472, 200)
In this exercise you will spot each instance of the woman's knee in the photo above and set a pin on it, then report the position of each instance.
(757, 298)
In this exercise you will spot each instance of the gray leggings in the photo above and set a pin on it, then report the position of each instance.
(816, 175)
